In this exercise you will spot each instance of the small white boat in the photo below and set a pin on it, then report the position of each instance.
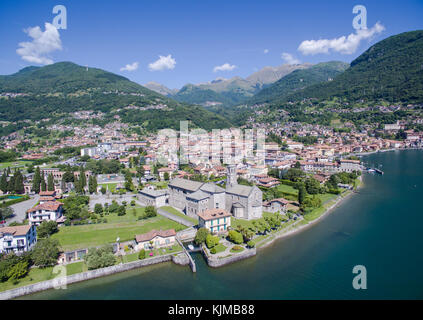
(191, 247)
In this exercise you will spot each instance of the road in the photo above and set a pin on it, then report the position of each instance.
(20, 209)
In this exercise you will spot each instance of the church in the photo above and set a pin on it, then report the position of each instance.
(193, 197)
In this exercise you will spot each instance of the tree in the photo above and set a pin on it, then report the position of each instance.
(129, 185)
(82, 179)
(45, 252)
(100, 258)
(302, 193)
(141, 254)
(150, 211)
(50, 182)
(19, 270)
(251, 244)
(121, 211)
(92, 184)
(68, 176)
(140, 171)
(5, 213)
(201, 235)
(36, 181)
(43, 186)
(3, 182)
(103, 190)
(17, 185)
(46, 229)
(211, 241)
(312, 186)
(235, 237)
(166, 176)
(98, 208)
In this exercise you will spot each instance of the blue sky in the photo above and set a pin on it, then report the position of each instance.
(198, 35)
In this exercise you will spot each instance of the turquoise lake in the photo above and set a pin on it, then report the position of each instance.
(381, 227)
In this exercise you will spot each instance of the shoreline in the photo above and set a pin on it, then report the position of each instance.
(295, 230)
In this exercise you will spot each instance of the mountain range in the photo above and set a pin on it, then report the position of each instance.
(64, 87)
(391, 70)
(231, 91)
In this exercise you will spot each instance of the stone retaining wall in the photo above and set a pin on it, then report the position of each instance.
(219, 262)
(92, 274)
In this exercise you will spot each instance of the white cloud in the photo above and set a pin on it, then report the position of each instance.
(224, 67)
(43, 43)
(130, 67)
(162, 63)
(266, 51)
(344, 45)
(289, 59)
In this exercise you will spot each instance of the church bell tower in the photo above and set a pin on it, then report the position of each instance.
(231, 179)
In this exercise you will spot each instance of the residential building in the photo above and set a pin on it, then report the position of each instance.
(50, 210)
(215, 220)
(155, 239)
(17, 239)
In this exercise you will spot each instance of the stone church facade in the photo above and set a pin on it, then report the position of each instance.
(193, 197)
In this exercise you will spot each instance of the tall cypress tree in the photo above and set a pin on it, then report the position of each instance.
(43, 186)
(3, 182)
(82, 179)
(50, 182)
(77, 185)
(36, 181)
(301, 194)
(18, 183)
(11, 184)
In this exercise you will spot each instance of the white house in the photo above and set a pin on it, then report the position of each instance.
(156, 239)
(51, 210)
(17, 239)
(215, 220)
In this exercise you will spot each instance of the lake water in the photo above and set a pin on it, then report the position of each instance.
(381, 228)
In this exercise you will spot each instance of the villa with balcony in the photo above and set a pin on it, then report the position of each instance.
(17, 239)
(50, 210)
(215, 220)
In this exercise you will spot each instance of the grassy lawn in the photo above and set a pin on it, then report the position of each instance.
(179, 214)
(314, 214)
(160, 184)
(287, 189)
(86, 236)
(220, 248)
(34, 275)
(128, 217)
(130, 257)
(109, 186)
(76, 267)
(237, 251)
(326, 197)
(248, 223)
(14, 164)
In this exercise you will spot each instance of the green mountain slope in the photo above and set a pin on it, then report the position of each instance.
(65, 87)
(391, 70)
(204, 96)
(298, 80)
(230, 92)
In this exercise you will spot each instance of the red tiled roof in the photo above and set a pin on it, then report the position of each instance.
(17, 230)
(49, 206)
(210, 214)
(153, 233)
(47, 193)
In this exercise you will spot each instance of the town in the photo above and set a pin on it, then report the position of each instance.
(102, 196)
